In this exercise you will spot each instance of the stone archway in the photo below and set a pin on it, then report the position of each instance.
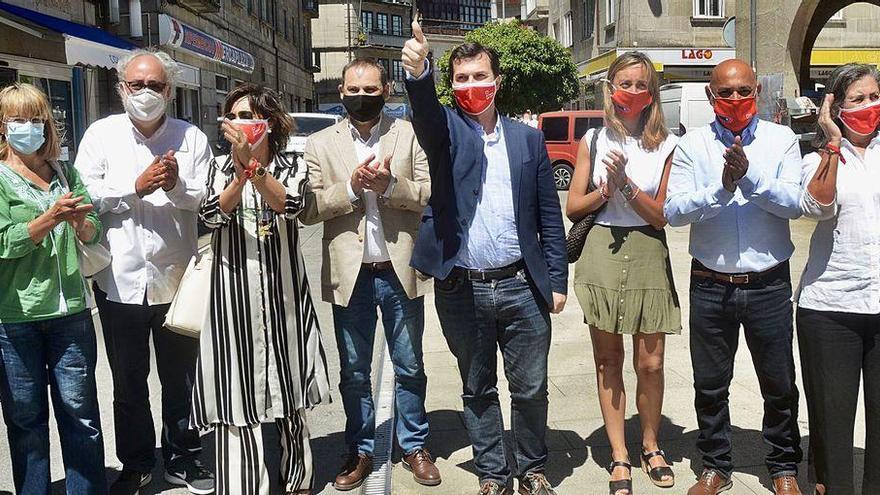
(786, 33)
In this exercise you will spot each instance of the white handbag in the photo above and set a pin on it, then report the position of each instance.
(92, 258)
(190, 305)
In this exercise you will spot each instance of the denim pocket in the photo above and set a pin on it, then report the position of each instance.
(448, 285)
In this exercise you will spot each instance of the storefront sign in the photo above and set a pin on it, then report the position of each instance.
(185, 37)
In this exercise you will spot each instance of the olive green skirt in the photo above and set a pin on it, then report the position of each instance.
(623, 281)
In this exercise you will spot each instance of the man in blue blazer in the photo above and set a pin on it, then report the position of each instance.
(493, 239)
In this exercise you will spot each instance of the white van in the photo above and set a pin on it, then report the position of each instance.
(685, 106)
(305, 125)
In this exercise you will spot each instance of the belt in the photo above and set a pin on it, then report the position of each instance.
(491, 274)
(377, 266)
(746, 278)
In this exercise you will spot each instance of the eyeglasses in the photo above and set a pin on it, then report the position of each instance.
(22, 120)
(138, 85)
(729, 92)
(243, 115)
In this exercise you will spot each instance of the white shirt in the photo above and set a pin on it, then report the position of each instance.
(745, 230)
(843, 269)
(643, 167)
(375, 249)
(151, 239)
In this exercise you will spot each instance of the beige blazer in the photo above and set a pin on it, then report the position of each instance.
(331, 158)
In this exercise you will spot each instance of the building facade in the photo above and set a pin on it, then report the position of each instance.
(686, 38)
(218, 43)
(371, 28)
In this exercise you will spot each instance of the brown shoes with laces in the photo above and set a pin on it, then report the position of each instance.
(535, 484)
(786, 485)
(421, 465)
(711, 482)
(353, 473)
(493, 488)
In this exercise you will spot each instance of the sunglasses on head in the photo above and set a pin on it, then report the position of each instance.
(243, 115)
(138, 85)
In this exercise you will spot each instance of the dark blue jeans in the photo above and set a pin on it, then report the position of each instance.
(765, 312)
(477, 319)
(404, 323)
(59, 354)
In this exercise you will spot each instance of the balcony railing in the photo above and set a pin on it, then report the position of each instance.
(378, 38)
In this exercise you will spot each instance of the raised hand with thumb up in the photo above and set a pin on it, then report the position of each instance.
(415, 51)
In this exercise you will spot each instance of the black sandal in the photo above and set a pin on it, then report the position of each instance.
(658, 473)
(616, 486)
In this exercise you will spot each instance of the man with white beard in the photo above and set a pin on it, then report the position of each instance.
(146, 174)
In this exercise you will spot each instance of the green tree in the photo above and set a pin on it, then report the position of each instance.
(537, 72)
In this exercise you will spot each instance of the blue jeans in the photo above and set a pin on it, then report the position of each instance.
(765, 312)
(404, 323)
(477, 319)
(59, 354)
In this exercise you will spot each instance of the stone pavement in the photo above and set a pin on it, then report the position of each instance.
(578, 446)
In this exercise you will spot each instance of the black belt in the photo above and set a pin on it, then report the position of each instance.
(377, 266)
(700, 270)
(489, 275)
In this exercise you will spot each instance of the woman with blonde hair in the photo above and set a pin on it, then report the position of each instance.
(623, 278)
(47, 339)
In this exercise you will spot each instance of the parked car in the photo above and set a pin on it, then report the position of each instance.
(685, 106)
(563, 131)
(307, 124)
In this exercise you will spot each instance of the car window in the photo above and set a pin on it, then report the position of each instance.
(596, 122)
(306, 126)
(555, 128)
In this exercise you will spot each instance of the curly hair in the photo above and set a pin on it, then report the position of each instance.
(266, 103)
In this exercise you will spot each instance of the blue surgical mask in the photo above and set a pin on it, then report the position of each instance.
(25, 137)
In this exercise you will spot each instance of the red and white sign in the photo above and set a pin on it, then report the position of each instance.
(688, 56)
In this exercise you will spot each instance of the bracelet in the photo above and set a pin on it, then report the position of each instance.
(603, 195)
(835, 150)
(634, 195)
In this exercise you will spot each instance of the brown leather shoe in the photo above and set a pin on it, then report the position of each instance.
(711, 482)
(786, 485)
(353, 473)
(421, 465)
(535, 484)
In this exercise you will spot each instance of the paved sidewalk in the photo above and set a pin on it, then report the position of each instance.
(579, 448)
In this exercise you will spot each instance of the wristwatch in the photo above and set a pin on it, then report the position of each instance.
(259, 174)
(628, 191)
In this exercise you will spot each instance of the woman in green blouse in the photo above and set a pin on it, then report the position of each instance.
(46, 335)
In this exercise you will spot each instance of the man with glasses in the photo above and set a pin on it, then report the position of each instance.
(146, 175)
(737, 181)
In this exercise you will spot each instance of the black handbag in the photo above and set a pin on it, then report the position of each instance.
(577, 235)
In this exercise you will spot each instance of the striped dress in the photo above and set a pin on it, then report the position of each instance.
(261, 355)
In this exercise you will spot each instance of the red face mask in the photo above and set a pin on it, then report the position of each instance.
(861, 120)
(254, 129)
(475, 98)
(630, 105)
(735, 114)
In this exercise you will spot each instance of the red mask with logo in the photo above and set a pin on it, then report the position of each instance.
(254, 129)
(629, 105)
(863, 119)
(735, 114)
(475, 98)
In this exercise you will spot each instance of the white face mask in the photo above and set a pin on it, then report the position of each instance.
(145, 105)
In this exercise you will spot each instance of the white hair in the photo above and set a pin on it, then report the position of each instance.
(169, 66)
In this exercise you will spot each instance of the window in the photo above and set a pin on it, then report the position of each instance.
(382, 23)
(386, 64)
(556, 129)
(708, 8)
(397, 70)
(566, 39)
(838, 16)
(366, 21)
(583, 124)
(396, 25)
(221, 83)
(589, 18)
(611, 11)
(286, 32)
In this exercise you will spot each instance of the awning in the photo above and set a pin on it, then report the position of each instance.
(83, 45)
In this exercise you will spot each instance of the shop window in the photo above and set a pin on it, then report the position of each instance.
(61, 100)
(221, 83)
(708, 9)
(186, 105)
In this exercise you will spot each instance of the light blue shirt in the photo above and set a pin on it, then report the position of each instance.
(492, 239)
(746, 230)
